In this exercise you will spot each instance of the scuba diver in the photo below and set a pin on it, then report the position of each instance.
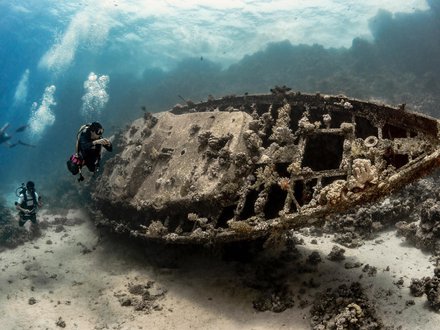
(5, 137)
(88, 149)
(28, 203)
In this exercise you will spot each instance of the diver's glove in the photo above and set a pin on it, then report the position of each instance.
(102, 141)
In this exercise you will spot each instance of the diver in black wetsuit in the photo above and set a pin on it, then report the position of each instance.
(89, 145)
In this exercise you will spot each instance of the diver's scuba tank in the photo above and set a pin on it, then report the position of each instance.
(20, 190)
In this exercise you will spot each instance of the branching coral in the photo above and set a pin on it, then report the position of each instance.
(363, 173)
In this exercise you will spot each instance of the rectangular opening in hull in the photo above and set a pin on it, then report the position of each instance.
(303, 192)
(339, 117)
(396, 160)
(248, 208)
(275, 201)
(262, 108)
(393, 132)
(274, 110)
(316, 114)
(364, 128)
(323, 152)
(298, 192)
(309, 190)
(296, 114)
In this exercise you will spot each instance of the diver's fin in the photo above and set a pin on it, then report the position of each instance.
(3, 129)
(25, 144)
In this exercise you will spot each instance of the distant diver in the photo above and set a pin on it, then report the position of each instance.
(88, 149)
(27, 204)
(5, 137)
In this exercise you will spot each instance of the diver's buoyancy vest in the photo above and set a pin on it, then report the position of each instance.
(29, 200)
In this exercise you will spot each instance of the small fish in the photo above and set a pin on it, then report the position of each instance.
(23, 144)
(144, 108)
(22, 128)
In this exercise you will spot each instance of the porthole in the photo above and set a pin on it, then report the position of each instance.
(371, 141)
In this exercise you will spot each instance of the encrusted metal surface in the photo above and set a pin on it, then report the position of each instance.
(241, 167)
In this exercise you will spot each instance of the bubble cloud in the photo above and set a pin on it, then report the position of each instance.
(21, 91)
(86, 29)
(95, 97)
(42, 115)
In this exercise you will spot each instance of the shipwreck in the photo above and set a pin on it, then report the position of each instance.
(242, 167)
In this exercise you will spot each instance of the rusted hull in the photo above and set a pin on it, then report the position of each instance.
(242, 167)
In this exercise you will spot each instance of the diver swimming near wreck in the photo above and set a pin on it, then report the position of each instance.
(88, 149)
(5, 137)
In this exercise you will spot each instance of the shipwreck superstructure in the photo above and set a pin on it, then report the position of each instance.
(241, 167)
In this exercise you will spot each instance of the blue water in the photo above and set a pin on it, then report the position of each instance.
(64, 63)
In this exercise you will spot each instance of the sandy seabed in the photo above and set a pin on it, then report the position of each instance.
(75, 277)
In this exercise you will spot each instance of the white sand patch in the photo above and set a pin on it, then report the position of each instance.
(74, 275)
